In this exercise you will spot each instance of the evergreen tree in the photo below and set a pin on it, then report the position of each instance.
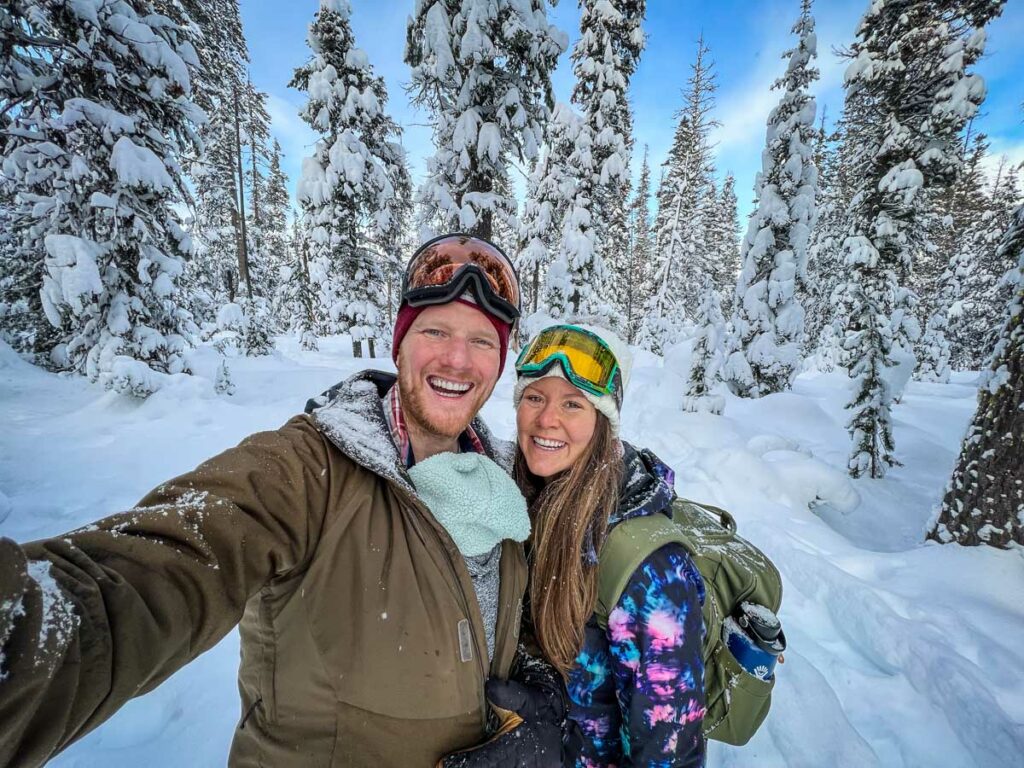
(984, 503)
(635, 278)
(221, 267)
(681, 250)
(92, 161)
(982, 266)
(224, 384)
(483, 71)
(297, 301)
(951, 232)
(395, 241)
(934, 352)
(348, 185)
(724, 237)
(909, 96)
(823, 296)
(214, 276)
(768, 320)
(256, 138)
(274, 227)
(595, 233)
(28, 70)
(578, 278)
(548, 192)
(708, 354)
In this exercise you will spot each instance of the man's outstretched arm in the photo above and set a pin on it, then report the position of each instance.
(95, 617)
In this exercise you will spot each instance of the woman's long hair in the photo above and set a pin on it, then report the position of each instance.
(572, 506)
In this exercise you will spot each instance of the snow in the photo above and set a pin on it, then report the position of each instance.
(900, 654)
(72, 273)
(137, 166)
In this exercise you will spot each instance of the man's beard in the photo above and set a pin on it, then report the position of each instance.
(416, 410)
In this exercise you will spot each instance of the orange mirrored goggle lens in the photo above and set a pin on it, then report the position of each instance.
(439, 262)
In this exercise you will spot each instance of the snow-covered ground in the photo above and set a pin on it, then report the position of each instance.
(901, 653)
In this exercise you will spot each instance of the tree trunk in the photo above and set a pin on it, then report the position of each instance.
(536, 284)
(357, 348)
(243, 246)
(984, 502)
(255, 187)
(373, 351)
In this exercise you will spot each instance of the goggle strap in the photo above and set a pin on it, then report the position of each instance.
(470, 277)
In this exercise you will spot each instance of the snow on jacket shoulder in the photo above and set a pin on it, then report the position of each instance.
(351, 599)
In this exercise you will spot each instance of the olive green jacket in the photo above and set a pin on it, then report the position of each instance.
(362, 641)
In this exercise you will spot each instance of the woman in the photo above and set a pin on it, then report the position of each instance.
(636, 688)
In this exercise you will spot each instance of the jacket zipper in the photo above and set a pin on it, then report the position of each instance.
(414, 503)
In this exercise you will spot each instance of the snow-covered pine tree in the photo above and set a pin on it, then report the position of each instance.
(767, 319)
(682, 256)
(984, 501)
(223, 384)
(557, 189)
(934, 352)
(218, 273)
(634, 280)
(483, 71)
(725, 238)
(348, 185)
(604, 59)
(274, 227)
(951, 233)
(27, 72)
(823, 297)
(708, 354)
(578, 279)
(909, 96)
(976, 322)
(256, 334)
(93, 160)
(256, 138)
(395, 239)
(23, 325)
(548, 191)
(297, 301)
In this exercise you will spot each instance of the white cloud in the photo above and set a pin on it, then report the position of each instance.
(1000, 147)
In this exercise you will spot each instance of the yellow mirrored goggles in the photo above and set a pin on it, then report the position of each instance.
(586, 360)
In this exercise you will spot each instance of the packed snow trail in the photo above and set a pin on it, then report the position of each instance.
(900, 654)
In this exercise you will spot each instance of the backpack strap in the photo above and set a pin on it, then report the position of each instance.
(627, 545)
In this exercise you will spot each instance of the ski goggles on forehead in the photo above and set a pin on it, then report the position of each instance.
(447, 266)
(587, 362)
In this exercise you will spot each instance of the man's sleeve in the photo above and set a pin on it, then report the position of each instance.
(93, 618)
(655, 635)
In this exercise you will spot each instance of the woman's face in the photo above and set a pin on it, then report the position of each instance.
(555, 423)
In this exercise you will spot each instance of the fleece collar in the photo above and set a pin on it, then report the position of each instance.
(474, 499)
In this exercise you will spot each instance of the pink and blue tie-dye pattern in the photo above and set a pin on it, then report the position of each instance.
(637, 689)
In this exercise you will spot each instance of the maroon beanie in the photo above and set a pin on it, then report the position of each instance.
(407, 316)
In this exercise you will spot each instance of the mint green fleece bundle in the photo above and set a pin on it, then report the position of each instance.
(473, 498)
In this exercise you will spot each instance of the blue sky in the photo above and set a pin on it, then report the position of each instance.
(746, 37)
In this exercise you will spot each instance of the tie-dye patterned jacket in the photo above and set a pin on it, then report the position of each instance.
(637, 689)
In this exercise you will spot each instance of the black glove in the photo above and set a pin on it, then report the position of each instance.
(534, 730)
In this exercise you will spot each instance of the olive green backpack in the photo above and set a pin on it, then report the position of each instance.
(734, 571)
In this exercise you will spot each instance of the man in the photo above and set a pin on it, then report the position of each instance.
(364, 642)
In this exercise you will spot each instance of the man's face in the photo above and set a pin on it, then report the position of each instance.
(447, 367)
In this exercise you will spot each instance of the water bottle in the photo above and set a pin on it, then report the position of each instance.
(755, 638)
